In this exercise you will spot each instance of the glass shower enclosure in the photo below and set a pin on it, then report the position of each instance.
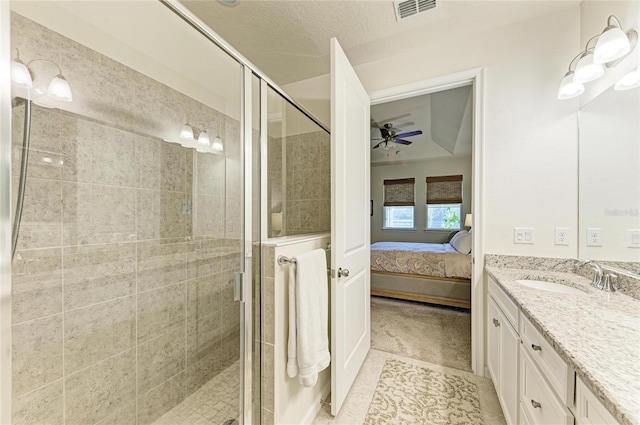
(135, 263)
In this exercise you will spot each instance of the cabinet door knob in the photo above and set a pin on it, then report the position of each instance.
(535, 404)
(536, 347)
(496, 323)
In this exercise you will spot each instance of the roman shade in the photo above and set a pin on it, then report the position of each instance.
(399, 192)
(444, 190)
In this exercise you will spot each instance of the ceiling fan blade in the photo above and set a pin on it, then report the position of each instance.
(403, 142)
(378, 145)
(377, 138)
(410, 133)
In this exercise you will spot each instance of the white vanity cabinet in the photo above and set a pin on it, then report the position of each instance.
(502, 351)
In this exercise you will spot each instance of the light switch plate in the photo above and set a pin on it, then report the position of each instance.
(594, 236)
(525, 235)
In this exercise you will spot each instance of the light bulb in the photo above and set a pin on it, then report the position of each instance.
(586, 70)
(629, 81)
(217, 144)
(612, 44)
(20, 74)
(203, 139)
(569, 88)
(187, 132)
(59, 89)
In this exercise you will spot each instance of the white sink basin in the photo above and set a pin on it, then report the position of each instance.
(550, 286)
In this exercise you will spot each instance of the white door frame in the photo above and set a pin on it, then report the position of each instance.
(476, 77)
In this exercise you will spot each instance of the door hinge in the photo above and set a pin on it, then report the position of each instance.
(237, 286)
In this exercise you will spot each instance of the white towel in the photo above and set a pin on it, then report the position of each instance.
(308, 348)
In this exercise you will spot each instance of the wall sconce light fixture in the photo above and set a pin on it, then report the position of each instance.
(613, 44)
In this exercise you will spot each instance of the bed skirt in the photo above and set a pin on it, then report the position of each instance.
(436, 290)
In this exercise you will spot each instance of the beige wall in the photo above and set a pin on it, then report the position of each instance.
(418, 170)
(530, 138)
(123, 277)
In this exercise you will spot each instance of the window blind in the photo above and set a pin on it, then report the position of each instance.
(444, 190)
(399, 192)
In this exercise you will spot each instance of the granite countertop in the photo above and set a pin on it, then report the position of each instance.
(596, 333)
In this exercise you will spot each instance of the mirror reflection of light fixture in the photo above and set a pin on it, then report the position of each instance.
(203, 139)
(613, 43)
(21, 76)
(629, 81)
(187, 132)
(217, 144)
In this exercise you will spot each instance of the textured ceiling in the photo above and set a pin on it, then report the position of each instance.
(289, 40)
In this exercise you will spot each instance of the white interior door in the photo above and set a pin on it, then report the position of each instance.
(350, 228)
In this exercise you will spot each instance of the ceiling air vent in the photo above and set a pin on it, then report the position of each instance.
(407, 8)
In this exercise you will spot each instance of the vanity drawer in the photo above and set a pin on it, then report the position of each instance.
(589, 410)
(508, 307)
(551, 364)
(537, 400)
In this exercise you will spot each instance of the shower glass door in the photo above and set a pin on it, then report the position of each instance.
(132, 227)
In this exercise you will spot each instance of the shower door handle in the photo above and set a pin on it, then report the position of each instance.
(237, 286)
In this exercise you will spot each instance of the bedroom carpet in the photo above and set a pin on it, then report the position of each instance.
(433, 334)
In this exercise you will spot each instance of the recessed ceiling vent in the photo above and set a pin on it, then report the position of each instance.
(408, 8)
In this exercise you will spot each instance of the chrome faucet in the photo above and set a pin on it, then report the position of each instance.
(597, 276)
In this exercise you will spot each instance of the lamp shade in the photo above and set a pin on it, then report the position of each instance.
(217, 144)
(612, 44)
(569, 88)
(187, 132)
(59, 89)
(468, 220)
(587, 70)
(203, 139)
(20, 74)
(629, 81)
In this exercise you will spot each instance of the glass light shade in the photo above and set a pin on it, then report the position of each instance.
(203, 139)
(612, 44)
(569, 88)
(217, 144)
(187, 132)
(59, 89)
(20, 74)
(629, 81)
(586, 70)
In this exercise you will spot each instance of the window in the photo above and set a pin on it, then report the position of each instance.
(444, 202)
(443, 216)
(398, 217)
(399, 203)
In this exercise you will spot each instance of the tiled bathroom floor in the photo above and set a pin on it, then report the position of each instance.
(213, 404)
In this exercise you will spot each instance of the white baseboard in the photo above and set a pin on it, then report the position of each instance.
(316, 405)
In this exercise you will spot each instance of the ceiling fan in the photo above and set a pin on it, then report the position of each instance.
(389, 136)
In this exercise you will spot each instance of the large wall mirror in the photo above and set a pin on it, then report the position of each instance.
(609, 163)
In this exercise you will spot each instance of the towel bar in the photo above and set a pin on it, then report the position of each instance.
(283, 259)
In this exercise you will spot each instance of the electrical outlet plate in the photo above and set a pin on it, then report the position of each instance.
(594, 236)
(524, 235)
(562, 236)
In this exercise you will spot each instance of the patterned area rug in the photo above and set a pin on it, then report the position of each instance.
(411, 395)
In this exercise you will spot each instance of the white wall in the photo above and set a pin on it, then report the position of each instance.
(419, 170)
(530, 138)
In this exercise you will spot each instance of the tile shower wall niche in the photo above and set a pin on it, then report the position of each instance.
(122, 282)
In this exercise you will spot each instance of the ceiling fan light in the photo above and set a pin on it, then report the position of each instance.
(586, 70)
(612, 44)
(569, 88)
(629, 81)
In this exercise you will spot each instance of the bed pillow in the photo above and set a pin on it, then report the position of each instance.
(461, 242)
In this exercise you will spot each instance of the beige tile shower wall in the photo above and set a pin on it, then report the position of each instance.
(300, 186)
(123, 278)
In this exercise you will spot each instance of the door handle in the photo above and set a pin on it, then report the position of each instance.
(343, 272)
(536, 347)
(535, 404)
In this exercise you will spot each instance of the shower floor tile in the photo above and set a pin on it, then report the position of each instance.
(214, 403)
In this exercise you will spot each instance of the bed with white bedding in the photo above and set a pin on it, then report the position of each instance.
(434, 273)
